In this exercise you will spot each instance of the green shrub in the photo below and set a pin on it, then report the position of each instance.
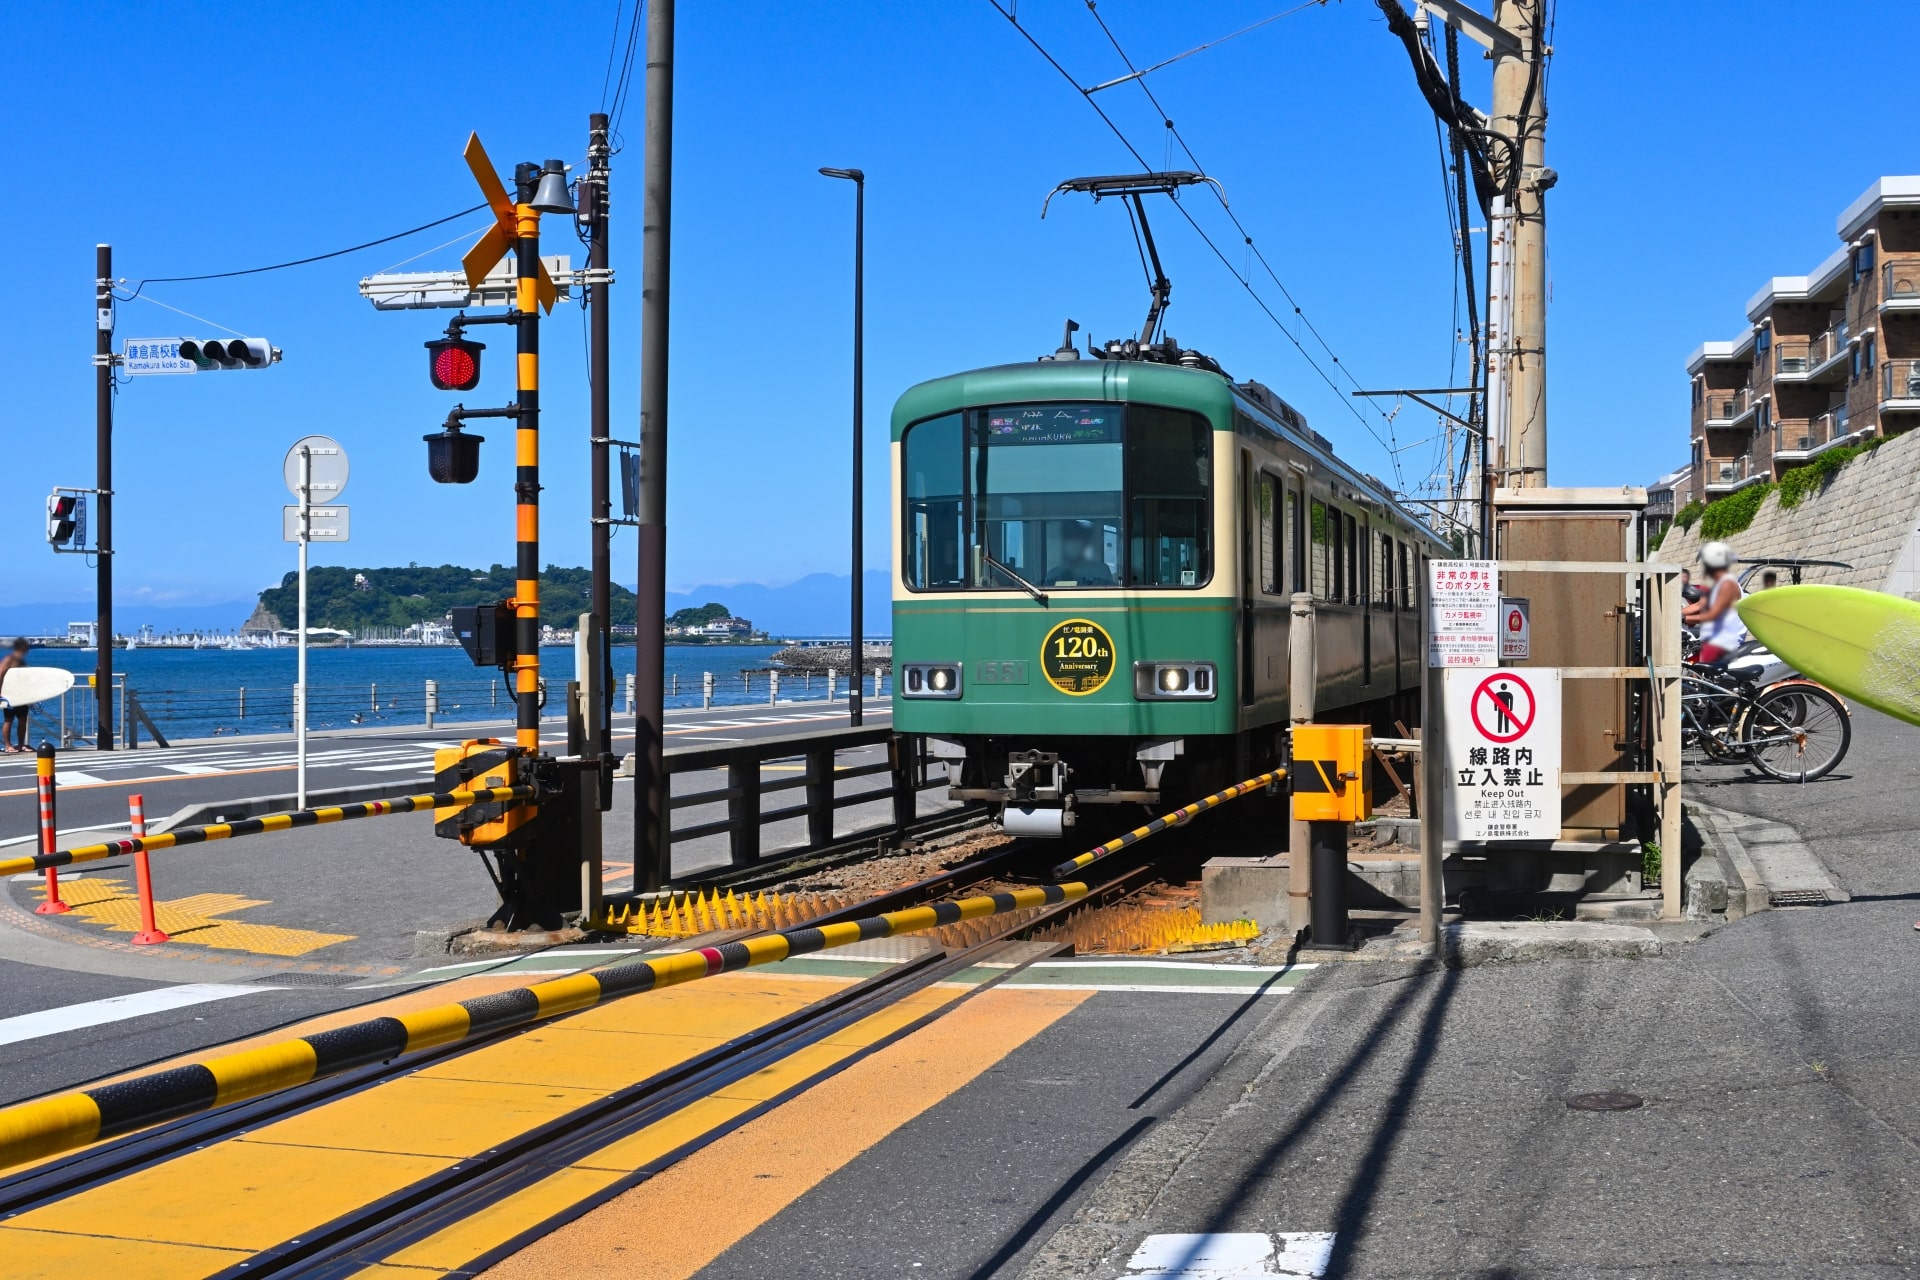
(1802, 481)
(1732, 514)
(1684, 518)
(1653, 543)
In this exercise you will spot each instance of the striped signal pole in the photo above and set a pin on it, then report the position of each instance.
(526, 477)
(49, 835)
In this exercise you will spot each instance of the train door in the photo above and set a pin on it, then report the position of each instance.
(1249, 571)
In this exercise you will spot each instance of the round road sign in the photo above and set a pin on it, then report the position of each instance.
(329, 468)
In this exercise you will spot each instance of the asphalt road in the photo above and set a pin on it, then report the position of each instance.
(94, 785)
(1422, 1117)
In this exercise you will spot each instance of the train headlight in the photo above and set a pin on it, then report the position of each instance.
(930, 680)
(1174, 681)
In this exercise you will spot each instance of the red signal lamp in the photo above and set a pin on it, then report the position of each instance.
(454, 363)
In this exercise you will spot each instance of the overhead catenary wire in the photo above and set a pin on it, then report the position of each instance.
(1200, 231)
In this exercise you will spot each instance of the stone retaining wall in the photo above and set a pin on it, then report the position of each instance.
(1867, 515)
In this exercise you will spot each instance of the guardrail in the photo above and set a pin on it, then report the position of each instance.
(744, 791)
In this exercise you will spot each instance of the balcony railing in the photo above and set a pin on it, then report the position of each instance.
(1727, 473)
(1900, 280)
(1902, 380)
(1723, 406)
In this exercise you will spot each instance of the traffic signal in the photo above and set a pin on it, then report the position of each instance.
(230, 353)
(453, 456)
(62, 517)
(453, 362)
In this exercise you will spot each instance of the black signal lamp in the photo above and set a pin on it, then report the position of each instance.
(453, 456)
(454, 363)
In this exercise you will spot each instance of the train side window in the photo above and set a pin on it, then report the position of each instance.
(1169, 477)
(1383, 586)
(1406, 585)
(1296, 543)
(935, 481)
(1271, 568)
(1352, 559)
(1323, 545)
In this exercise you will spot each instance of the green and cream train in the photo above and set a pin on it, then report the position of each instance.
(1093, 565)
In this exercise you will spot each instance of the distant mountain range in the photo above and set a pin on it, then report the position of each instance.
(816, 605)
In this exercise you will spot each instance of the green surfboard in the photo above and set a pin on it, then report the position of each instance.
(1864, 644)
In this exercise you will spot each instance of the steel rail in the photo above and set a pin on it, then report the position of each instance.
(65, 1122)
(376, 1232)
(1165, 822)
(265, 823)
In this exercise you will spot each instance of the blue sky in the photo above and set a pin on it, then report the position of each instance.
(196, 141)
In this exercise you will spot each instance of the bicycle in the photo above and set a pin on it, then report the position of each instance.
(1794, 730)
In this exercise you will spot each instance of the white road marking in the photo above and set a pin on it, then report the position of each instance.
(73, 778)
(1232, 1255)
(64, 831)
(94, 1013)
(414, 766)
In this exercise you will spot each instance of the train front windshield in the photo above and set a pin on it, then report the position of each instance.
(1064, 497)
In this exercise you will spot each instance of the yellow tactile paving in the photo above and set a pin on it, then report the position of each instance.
(193, 919)
(275, 1182)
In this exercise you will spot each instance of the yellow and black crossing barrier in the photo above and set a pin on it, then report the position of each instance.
(33, 1130)
(1166, 821)
(263, 824)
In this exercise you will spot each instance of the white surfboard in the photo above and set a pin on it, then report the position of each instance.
(25, 686)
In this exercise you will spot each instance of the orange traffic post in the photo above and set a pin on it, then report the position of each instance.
(142, 874)
(49, 838)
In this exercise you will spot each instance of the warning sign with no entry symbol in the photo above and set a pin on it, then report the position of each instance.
(1503, 754)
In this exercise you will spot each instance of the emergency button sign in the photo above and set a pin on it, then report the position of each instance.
(1503, 754)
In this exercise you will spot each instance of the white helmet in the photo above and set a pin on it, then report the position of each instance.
(1716, 555)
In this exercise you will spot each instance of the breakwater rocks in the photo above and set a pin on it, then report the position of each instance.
(832, 657)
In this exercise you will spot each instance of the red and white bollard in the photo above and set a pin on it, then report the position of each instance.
(49, 838)
(142, 875)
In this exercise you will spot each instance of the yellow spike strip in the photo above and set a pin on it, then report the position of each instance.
(1166, 822)
(33, 1130)
(264, 824)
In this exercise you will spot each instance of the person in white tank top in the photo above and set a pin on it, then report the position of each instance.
(1721, 631)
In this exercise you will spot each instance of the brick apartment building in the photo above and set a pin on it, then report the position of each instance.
(1828, 358)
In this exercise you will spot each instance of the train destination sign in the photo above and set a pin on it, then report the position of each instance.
(1077, 657)
(1463, 605)
(1503, 754)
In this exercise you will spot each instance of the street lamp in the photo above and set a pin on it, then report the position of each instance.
(854, 645)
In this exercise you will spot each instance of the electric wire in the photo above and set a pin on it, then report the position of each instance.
(1202, 48)
(617, 110)
(1127, 142)
(1174, 136)
(300, 262)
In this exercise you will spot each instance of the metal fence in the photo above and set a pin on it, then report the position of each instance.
(730, 796)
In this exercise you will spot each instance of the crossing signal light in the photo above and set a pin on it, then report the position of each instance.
(230, 353)
(62, 522)
(454, 363)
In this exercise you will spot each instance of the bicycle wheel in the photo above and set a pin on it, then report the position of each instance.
(1796, 732)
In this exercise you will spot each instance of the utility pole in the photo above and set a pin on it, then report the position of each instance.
(652, 837)
(594, 195)
(856, 648)
(103, 483)
(1520, 114)
(1505, 154)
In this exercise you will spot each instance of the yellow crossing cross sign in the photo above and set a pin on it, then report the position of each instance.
(501, 235)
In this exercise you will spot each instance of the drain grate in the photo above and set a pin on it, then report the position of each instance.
(298, 979)
(1798, 898)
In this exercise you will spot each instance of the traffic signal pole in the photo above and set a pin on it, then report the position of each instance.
(652, 862)
(103, 482)
(526, 476)
(600, 375)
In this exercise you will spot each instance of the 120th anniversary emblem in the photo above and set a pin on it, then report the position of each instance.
(1077, 657)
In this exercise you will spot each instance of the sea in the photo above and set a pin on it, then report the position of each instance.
(202, 693)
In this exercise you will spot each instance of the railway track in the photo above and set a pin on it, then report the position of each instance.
(451, 1199)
